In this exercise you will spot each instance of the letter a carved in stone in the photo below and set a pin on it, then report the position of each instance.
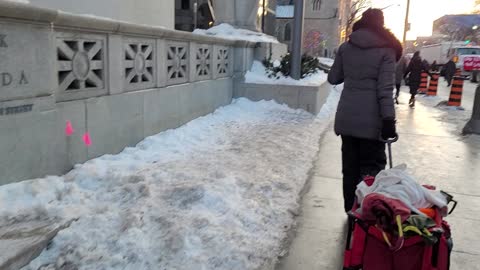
(23, 79)
(3, 43)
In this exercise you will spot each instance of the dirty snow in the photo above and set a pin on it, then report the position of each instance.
(259, 74)
(227, 31)
(217, 193)
(326, 61)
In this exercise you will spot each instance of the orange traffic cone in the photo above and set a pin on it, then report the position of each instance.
(458, 72)
(433, 87)
(423, 83)
(456, 92)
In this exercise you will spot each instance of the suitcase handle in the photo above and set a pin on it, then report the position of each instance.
(454, 206)
(389, 145)
(450, 200)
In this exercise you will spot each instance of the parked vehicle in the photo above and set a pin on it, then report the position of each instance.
(466, 57)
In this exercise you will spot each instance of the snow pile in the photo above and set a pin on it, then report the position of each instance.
(326, 61)
(259, 74)
(216, 193)
(285, 11)
(227, 31)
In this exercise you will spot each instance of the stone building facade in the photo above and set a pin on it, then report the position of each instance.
(184, 14)
(324, 25)
(256, 15)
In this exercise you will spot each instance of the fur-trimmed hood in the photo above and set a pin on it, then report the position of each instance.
(368, 37)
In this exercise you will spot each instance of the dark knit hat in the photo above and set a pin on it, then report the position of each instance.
(373, 17)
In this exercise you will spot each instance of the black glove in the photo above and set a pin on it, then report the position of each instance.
(389, 130)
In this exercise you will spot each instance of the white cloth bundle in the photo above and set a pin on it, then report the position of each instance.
(397, 183)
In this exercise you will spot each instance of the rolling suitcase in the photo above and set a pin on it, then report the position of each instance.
(368, 247)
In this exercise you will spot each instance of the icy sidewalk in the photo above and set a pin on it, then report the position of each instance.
(217, 193)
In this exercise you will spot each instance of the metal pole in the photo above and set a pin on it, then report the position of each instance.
(263, 15)
(405, 30)
(195, 14)
(297, 40)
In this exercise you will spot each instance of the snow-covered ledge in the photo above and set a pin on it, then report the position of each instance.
(309, 94)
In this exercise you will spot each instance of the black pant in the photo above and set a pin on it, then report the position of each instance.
(398, 86)
(448, 78)
(414, 90)
(360, 157)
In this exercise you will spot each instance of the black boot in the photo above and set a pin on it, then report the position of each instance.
(412, 102)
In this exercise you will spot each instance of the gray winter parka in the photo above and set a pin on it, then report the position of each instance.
(366, 66)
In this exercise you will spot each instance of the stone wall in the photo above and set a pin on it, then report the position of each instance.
(116, 81)
(149, 12)
(308, 98)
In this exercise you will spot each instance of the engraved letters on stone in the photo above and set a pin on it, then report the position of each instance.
(3, 42)
(9, 79)
(80, 64)
(6, 78)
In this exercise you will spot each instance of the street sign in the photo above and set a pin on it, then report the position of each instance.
(471, 63)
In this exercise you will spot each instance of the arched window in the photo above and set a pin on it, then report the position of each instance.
(317, 4)
(288, 32)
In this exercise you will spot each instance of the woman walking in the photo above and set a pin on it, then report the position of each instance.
(414, 71)
(366, 112)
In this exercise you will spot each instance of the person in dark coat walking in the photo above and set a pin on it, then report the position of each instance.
(450, 69)
(414, 72)
(366, 111)
(399, 72)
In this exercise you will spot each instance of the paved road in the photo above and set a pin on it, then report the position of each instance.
(436, 153)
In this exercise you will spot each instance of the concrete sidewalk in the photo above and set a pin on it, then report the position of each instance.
(435, 154)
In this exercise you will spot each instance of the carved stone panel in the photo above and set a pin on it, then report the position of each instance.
(222, 62)
(177, 62)
(203, 62)
(139, 64)
(81, 68)
(26, 61)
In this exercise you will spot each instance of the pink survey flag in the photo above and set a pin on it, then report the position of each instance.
(86, 139)
(69, 129)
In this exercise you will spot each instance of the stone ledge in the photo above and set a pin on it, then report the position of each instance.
(20, 11)
(308, 98)
(60, 19)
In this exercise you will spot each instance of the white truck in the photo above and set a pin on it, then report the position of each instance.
(466, 57)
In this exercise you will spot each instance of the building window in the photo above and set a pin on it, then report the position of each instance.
(288, 32)
(186, 4)
(317, 4)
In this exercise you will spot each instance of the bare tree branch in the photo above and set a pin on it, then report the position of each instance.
(356, 9)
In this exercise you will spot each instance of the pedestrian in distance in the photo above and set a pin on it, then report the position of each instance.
(449, 70)
(434, 67)
(426, 64)
(399, 72)
(414, 72)
(366, 112)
